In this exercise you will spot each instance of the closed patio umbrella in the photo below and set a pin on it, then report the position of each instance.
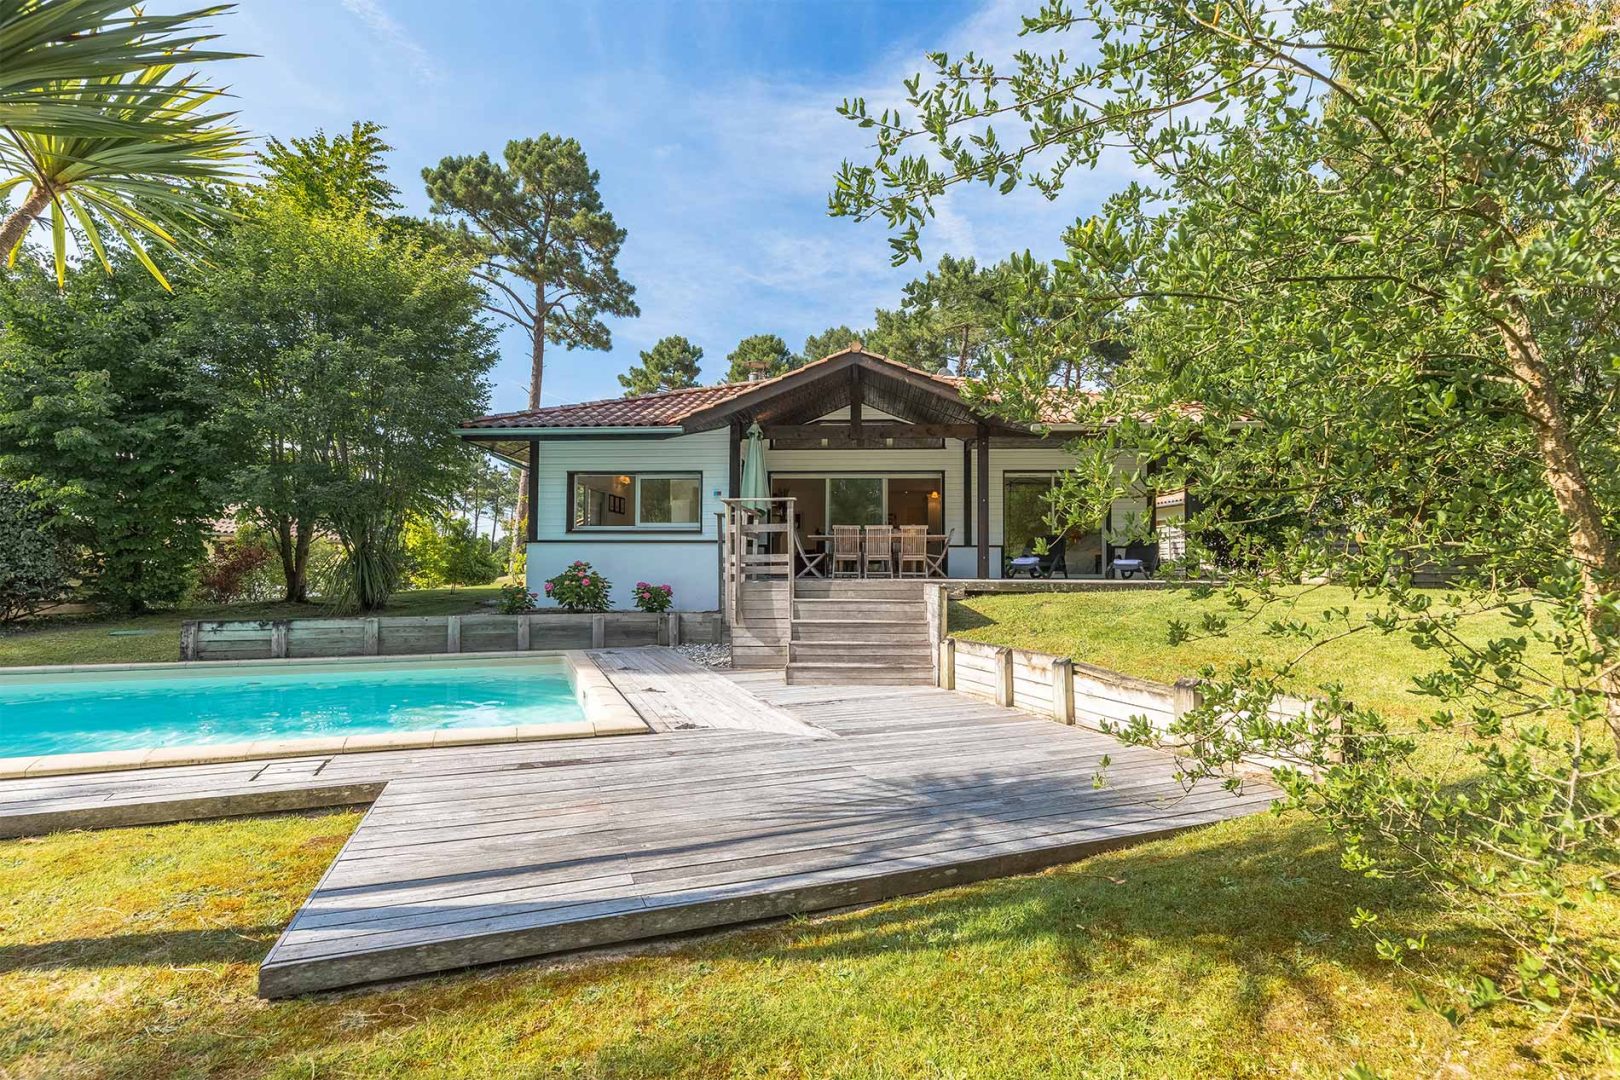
(755, 484)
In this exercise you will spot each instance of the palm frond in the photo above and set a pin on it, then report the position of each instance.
(49, 47)
(144, 175)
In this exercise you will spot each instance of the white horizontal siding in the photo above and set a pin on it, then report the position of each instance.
(705, 453)
(692, 569)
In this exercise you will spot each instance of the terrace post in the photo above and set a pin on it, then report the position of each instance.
(982, 492)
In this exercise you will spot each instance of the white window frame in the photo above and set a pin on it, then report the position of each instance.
(636, 479)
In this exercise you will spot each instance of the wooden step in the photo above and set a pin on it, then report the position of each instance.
(849, 608)
(867, 629)
(861, 651)
(899, 588)
(820, 673)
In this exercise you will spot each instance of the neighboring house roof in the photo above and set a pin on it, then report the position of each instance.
(671, 408)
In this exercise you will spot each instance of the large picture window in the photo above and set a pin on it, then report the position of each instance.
(637, 501)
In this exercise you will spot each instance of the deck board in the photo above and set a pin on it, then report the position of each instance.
(753, 800)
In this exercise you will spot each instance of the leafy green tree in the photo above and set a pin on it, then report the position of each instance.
(486, 493)
(106, 133)
(761, 356)
(671, 364)
(1369, 288)
(446, 552)
(548, 248)
(351, 351)
(36, 563)
(107, 422)
(831, 340)
(342, 175)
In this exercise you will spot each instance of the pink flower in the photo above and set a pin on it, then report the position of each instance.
(584, 581)
(548, 588)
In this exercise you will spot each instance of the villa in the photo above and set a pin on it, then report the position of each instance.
(635, 485)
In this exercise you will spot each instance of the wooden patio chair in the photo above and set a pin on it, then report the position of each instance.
(936, 563)
(914, 549)
(809, 561)
(879, 551)
(846, 549)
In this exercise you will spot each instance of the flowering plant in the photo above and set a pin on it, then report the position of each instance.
(579, 588)
(515, 599)
(653, 597)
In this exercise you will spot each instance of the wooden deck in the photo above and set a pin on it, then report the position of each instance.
(481, 854)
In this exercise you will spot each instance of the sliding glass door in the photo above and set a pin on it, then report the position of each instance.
(863, 499)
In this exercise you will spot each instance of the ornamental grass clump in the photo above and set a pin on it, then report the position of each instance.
(654, 597)
(579, 588)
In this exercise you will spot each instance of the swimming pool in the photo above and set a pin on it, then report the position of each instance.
(183, 705)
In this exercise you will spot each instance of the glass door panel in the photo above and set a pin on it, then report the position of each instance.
(854, 500)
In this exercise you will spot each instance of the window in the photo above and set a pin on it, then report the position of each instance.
(1026, 509)
(644, 500)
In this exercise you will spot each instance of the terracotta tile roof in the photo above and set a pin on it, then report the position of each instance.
(663, 409)
(668, 408)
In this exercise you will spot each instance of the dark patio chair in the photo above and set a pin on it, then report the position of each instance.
(1036, 564)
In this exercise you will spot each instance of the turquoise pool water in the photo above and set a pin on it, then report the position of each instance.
(228, 703)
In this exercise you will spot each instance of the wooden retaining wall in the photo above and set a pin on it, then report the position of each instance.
(403, 635)
(1071, 692)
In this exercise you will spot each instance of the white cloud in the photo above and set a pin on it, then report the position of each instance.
(393, 35)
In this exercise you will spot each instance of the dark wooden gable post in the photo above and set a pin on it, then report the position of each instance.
(855, 405)
(532, 526)
(967, 492)
(983, 494)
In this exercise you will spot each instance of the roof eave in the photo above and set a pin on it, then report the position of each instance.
(579, 429)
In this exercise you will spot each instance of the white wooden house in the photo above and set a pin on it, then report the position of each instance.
(634, 485)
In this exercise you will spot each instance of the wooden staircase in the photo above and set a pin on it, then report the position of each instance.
(851, 631)
(818, 630)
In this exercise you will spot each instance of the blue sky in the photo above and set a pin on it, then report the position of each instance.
(712, 125)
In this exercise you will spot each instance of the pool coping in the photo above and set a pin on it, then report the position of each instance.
(607, 712)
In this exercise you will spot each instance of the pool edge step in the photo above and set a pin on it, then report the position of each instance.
(196, 808)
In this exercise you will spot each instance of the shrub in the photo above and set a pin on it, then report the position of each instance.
(35, 563)
(515, 599)
(439, 552)
(653, 597)
(579, 588)
(231, 570)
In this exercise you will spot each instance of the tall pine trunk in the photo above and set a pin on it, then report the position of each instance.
(537, 370)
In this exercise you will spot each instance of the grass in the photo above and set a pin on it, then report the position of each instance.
(78, 639)
(1223, 952)
(1128, 632)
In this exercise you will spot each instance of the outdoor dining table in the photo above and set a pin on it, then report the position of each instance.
(824, 539)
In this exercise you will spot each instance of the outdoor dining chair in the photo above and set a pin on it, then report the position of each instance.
(810, 562)
(846, 549)
(879, 551)
(936, 563)
(914, 549)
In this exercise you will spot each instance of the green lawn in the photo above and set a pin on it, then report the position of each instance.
(1225, 952)
(75, 639)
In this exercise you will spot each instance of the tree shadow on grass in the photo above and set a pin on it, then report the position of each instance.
(160, 948)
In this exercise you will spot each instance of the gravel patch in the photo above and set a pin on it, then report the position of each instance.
(714, 656)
